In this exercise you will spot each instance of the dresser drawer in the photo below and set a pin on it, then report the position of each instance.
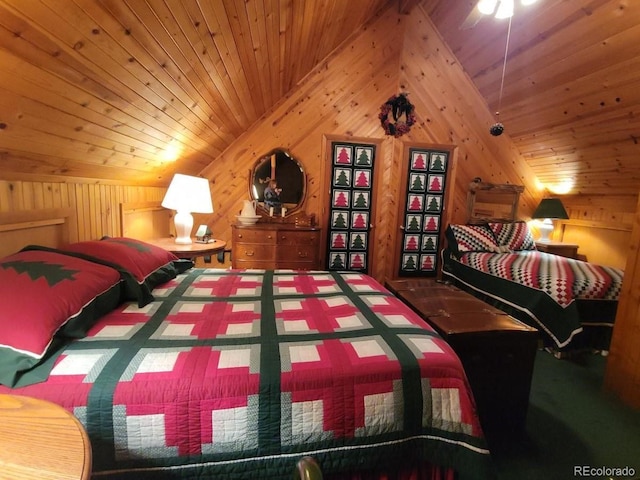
(297, 254)
(254, 252)
(297, 238)
(246, 235)
(267, 264)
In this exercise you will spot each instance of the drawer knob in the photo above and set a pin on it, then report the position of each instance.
(303, 254)
(249, 253)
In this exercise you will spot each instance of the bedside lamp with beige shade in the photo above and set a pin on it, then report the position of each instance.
(186, 195)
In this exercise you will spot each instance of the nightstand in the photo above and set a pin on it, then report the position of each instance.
(189, 250)
(558, 248)
(39, 439)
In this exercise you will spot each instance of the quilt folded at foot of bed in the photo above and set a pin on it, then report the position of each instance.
(232, 374)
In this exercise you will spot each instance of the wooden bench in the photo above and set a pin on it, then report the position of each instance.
(497, 351)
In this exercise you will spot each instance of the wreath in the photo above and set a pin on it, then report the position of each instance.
(397, 106)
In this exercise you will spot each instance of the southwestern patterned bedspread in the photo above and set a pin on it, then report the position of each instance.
(231, 374)
(551, 290)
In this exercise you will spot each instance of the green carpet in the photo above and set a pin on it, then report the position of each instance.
(571, 422)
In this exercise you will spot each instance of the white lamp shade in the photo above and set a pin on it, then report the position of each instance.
(187, 194)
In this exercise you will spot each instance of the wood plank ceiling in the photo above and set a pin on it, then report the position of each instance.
(115, 89)
(571, 97)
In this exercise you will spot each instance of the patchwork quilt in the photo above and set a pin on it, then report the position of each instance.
(238, 374)
(548, 287)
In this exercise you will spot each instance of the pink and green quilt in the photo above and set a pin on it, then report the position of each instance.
(238, 374)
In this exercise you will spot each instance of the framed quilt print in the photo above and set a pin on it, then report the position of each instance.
(350, 209)
(423, 209)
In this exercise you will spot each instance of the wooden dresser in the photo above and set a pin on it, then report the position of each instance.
(276, 245)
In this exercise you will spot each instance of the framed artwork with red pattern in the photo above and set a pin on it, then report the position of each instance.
(423, 210)
(350, 209)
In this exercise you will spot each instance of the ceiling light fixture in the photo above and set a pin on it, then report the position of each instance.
(505, 7)
(487, 7)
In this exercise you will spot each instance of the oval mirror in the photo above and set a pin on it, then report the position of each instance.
(290, 180)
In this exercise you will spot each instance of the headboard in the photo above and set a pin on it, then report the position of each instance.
(49, 227)
(492, 202)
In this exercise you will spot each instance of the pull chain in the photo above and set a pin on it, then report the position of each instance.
(497, 128)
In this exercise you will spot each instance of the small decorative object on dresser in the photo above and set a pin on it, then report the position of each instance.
(276, 245)
(248, 214)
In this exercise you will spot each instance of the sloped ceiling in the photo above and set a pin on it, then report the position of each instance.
(116, 89)
(571, 96)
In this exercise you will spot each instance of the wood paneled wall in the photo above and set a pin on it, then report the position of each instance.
(342, 99)
(97, 206)
(600, 225)
(622, 375)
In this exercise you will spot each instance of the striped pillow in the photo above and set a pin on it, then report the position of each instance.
(515, 236)
(470, 238)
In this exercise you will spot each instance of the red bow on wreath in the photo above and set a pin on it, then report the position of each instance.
(398, 106)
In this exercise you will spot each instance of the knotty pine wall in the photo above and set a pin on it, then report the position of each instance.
(600, 225)
(340, 100)
(622, 375)
(97, 205)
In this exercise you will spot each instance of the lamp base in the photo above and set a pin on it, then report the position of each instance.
(546, 227)
(183, 222)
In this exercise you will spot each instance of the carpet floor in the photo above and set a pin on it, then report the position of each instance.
(574, 428)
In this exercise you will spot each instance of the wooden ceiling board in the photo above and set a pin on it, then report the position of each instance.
(571, 87)
(108, 89)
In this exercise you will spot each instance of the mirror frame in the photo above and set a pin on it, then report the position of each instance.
(281, 154)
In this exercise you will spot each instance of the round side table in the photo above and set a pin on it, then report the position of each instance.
(39, 439)
(191, 250)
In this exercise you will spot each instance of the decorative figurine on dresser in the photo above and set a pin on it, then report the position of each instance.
(277, 233)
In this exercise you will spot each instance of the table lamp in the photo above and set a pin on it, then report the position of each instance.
(549, 209)
(187, 195)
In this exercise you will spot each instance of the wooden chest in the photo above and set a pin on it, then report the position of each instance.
(497, 351)
(273, 246)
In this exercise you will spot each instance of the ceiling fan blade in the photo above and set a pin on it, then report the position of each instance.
(472, 19)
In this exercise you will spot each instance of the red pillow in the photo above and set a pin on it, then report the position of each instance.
(143, 266)
(44, 294)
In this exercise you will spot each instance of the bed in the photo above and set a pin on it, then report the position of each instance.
(572, 302)
(179, 372)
